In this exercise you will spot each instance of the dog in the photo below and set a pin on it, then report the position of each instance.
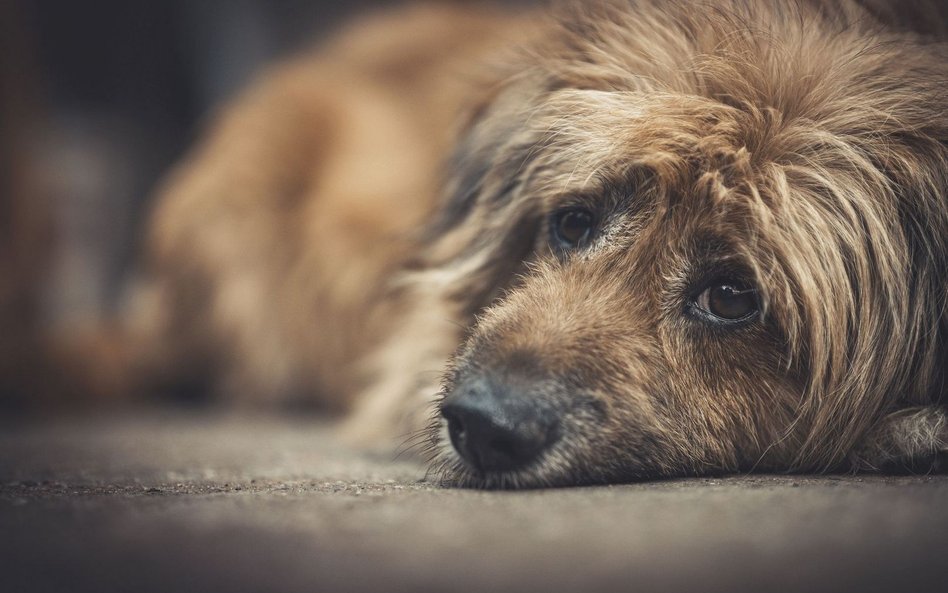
(594, 243)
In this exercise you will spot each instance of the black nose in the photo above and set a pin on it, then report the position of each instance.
(498, 427)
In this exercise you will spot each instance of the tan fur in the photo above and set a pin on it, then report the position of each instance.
(339, 237)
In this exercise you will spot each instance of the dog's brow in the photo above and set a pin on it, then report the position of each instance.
(627, 190)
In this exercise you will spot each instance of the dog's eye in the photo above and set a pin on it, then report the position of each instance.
(728, 301)
(573, 227)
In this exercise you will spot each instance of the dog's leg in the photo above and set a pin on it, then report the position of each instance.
(912, 439)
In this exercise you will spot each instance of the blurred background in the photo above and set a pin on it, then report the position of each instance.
(99, 99)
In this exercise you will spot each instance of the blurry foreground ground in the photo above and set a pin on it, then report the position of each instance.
(207, 502)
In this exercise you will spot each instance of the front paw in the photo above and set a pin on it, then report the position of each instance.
(913, 440)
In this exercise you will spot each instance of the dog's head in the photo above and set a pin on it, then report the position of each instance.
(691, 243)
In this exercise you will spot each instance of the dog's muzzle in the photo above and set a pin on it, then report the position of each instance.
(499, 425)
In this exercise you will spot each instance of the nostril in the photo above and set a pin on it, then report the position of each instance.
(457, 431)
(455, 424)
(506, 447)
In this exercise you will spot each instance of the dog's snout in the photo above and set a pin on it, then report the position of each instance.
(497, 427)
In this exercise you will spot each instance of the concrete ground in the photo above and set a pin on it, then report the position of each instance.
(173, 501)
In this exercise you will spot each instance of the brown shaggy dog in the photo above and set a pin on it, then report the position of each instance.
(667, 238)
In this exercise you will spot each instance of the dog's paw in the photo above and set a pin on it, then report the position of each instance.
(913, 440)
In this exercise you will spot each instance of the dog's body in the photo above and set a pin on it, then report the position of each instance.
(647, 239)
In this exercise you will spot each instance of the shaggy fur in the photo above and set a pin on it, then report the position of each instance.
(305, 251)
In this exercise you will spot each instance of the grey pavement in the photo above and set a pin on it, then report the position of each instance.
(177, 501)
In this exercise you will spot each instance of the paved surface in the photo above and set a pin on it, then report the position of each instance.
(167, 501)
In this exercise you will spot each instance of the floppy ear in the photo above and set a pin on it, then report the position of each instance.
(484, 153)
(917, 164)
(894, 347)
(486, 227)
(480, 139)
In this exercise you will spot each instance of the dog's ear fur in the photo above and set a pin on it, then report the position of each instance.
(896, 349)
(922, 178)
(481, 235)
(469, 166)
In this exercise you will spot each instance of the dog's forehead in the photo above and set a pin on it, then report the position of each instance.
(695, 148)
